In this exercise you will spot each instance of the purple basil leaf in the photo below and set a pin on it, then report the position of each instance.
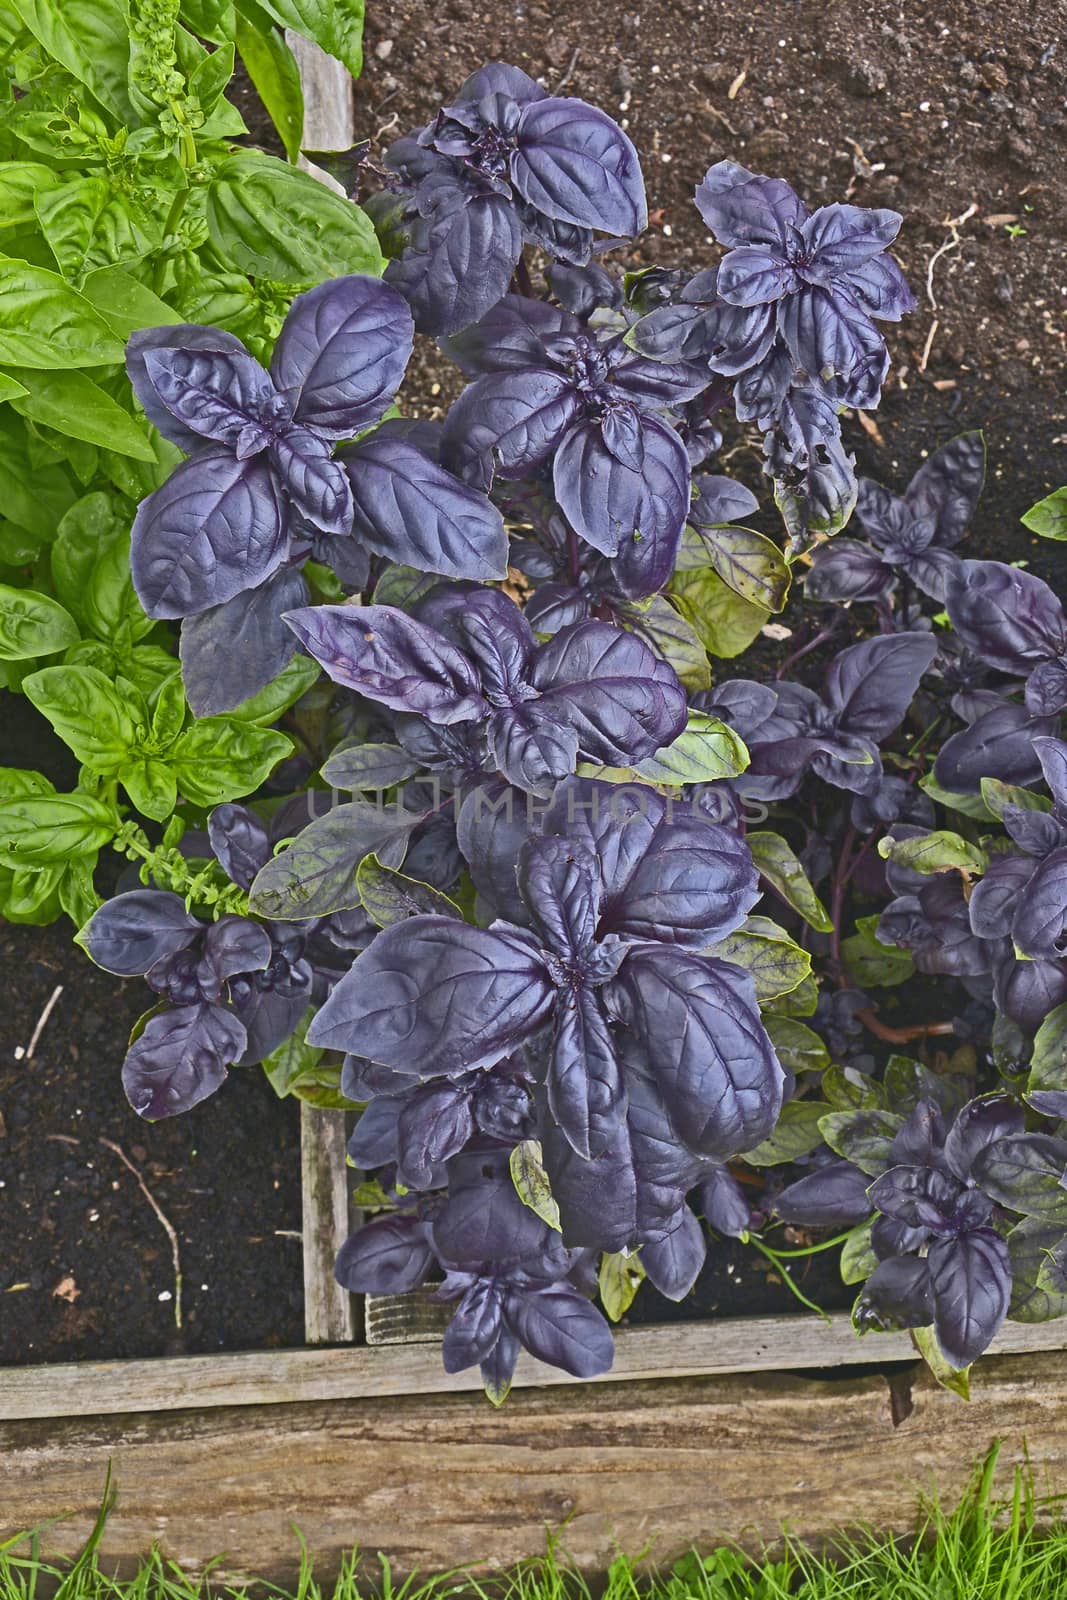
(881, 289)
(559, 881)
(412, 511)
(130, 933)
(608, 502)
(497, 78)
(189, 337)
(1026, 991)
(1046, 689)
(516, 418)
(270, 1018)
(841, 238)
(315, 483)
(230, 652)
(1000, 744)
(920, 1197)
(510, 337)
(495, 820)
(215, 528)
(1038, 833)
(531, 747)
(231, 945)
(1052, 754)
(623, 702)
(1041, 919)
(391, 658)
(573, 163)
(597, 1199)
(460, 262)
(970, 1283)
(223, 396)
(1008, 617)
(473, 1333)
(980, 1123)
(720, 500)
(437, 992)
(896, 1295)
(742, 208)
(390, 1255)
(844, 569)
(723, 1203)
(871, 684)
(181, 1058)
(831, 337)
(560, 1327)
(435, 1124)
(947, 486)
(484, 1226)
(1023, 1172)
(240, 841)
(931, 570)
(674, 1260)
(341, 354)
(704, 1044)
(585, 1088)
(996, 896)
(834, 1195)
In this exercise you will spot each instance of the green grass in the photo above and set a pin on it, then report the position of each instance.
(989, 1547)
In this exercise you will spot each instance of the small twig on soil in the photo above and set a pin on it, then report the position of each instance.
(928, 346)
(567, 76)
(288, 1233)
(164, 1223)
(27, 1054)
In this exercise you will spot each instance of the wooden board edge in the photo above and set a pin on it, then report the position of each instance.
(280, 1377)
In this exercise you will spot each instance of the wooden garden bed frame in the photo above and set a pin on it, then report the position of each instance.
(700, 1429)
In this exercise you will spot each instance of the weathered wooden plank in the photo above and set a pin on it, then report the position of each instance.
(328, 1312)
(329, 114)
(438, 1482)
(742, 1344)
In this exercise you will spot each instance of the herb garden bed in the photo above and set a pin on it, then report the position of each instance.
(376, 1442)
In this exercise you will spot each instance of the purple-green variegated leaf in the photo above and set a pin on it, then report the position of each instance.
(181, 1058)
(437, 992)
(341, 354)
(217, 527)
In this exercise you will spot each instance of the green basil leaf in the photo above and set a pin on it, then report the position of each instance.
(85, 531)
(34, 497)
(725, 623)
(703, 752)
(221, 759)
(388, 896)
(77, 892)
(862, 1137)
(91, 39)
(996, 794)
(796, 1134)
(297, 1068)
(16, 781)
(1049, 517)
(20, 182)
(30, 895)
(11, 388)
(272, 68)
(871, 964)
(532, 1184)
(798, 1048)
(148, 667)
(45, 324)
(272, 221)
(125, 304)
(208, 82)
(111, 602)
(939, 851)
(210, 19)
(88, 712)
(151, 785)
(1048, 1064)
(277, 696)
(799, 1002)
(672, 637)
(91, 222)
(747, 562)
(849, 1089)
(39, 829)
(956, 1379)
(335, 25)
(776, 862)
(33, 625)
(168, 713)
(858, 1259)
(776, 964)
(73, 404)
(968, 805)
(619, 1277)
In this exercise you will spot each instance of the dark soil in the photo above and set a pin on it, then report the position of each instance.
(86, 1268)
(930, 109)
